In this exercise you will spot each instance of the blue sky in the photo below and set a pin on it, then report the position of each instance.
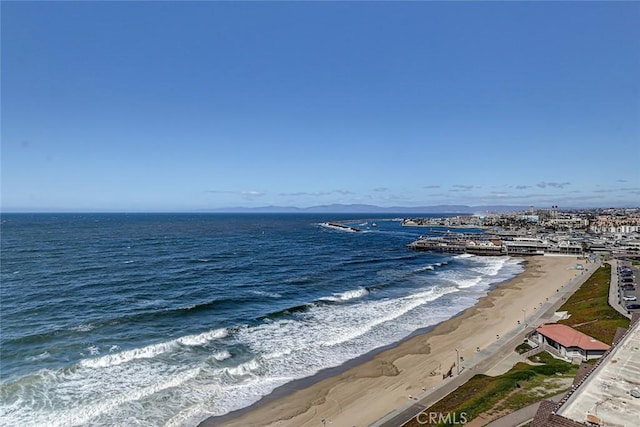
(172, 106)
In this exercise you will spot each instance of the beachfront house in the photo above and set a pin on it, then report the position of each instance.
(565, 342)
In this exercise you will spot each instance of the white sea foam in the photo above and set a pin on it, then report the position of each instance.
(469, 283)
(425, 268)
(84, 327)
(461, 278)
(278, 354)
(221, 355)
(482, 272)
(330, 335)
(385, 311)
(201, 339)
(266, 294)
(244, 368)
(347, 295)
(83, 413)
(193, 385)
(492, 266)
(41, 356)
(147, 352)
(153, 350)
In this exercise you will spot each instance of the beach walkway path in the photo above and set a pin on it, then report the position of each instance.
(490, 358)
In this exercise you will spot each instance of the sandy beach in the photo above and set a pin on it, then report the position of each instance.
(368, 391)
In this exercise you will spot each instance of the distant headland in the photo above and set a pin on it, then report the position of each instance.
(364, 208)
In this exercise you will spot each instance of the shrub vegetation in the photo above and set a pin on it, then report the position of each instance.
(590, 310)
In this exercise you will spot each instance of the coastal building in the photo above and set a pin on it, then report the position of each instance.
(458, 245)
(565, 342)
(630, 244)
(599, 246)
(606, 395)
(492, 245)
(616, 222)
(566, 247)
(542, 232)
(460, 221)
(569, 222)
(525, 247)
(530, 218)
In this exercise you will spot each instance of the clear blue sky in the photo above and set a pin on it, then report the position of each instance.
(172, 106)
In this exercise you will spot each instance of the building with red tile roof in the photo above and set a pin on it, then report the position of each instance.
(568, 342)
(606, 395)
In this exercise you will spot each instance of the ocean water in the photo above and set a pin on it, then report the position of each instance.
(166, 319)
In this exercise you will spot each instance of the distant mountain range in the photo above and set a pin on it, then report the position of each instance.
(360, 208)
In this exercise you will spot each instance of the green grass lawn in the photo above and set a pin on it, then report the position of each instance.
(523, 348)
(590, 311)
(523, 385)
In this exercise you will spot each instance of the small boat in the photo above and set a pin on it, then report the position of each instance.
(373, 224)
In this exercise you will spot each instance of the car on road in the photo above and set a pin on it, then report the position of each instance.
(628, 287)
(633, 306)
(630, 298)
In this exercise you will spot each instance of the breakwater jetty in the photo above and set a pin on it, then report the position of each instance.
(341, 226)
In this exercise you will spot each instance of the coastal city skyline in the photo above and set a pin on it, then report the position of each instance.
(167, 106)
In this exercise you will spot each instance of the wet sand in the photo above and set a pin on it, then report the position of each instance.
(361, 393)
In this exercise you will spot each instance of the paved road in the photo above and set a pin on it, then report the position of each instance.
(487, 358)
(614, 293)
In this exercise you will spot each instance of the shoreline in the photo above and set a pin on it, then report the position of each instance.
(301, 383)
(369, 387)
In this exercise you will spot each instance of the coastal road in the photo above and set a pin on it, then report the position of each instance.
(489, 357)
(614, 292)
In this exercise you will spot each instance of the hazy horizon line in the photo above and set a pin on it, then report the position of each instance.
(326, 208)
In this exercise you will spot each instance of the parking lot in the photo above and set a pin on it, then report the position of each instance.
(628, 292)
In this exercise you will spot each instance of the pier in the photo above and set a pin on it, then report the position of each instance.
(458, 246)
(491, 246)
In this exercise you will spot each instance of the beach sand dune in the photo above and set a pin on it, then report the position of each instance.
(368, 391)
